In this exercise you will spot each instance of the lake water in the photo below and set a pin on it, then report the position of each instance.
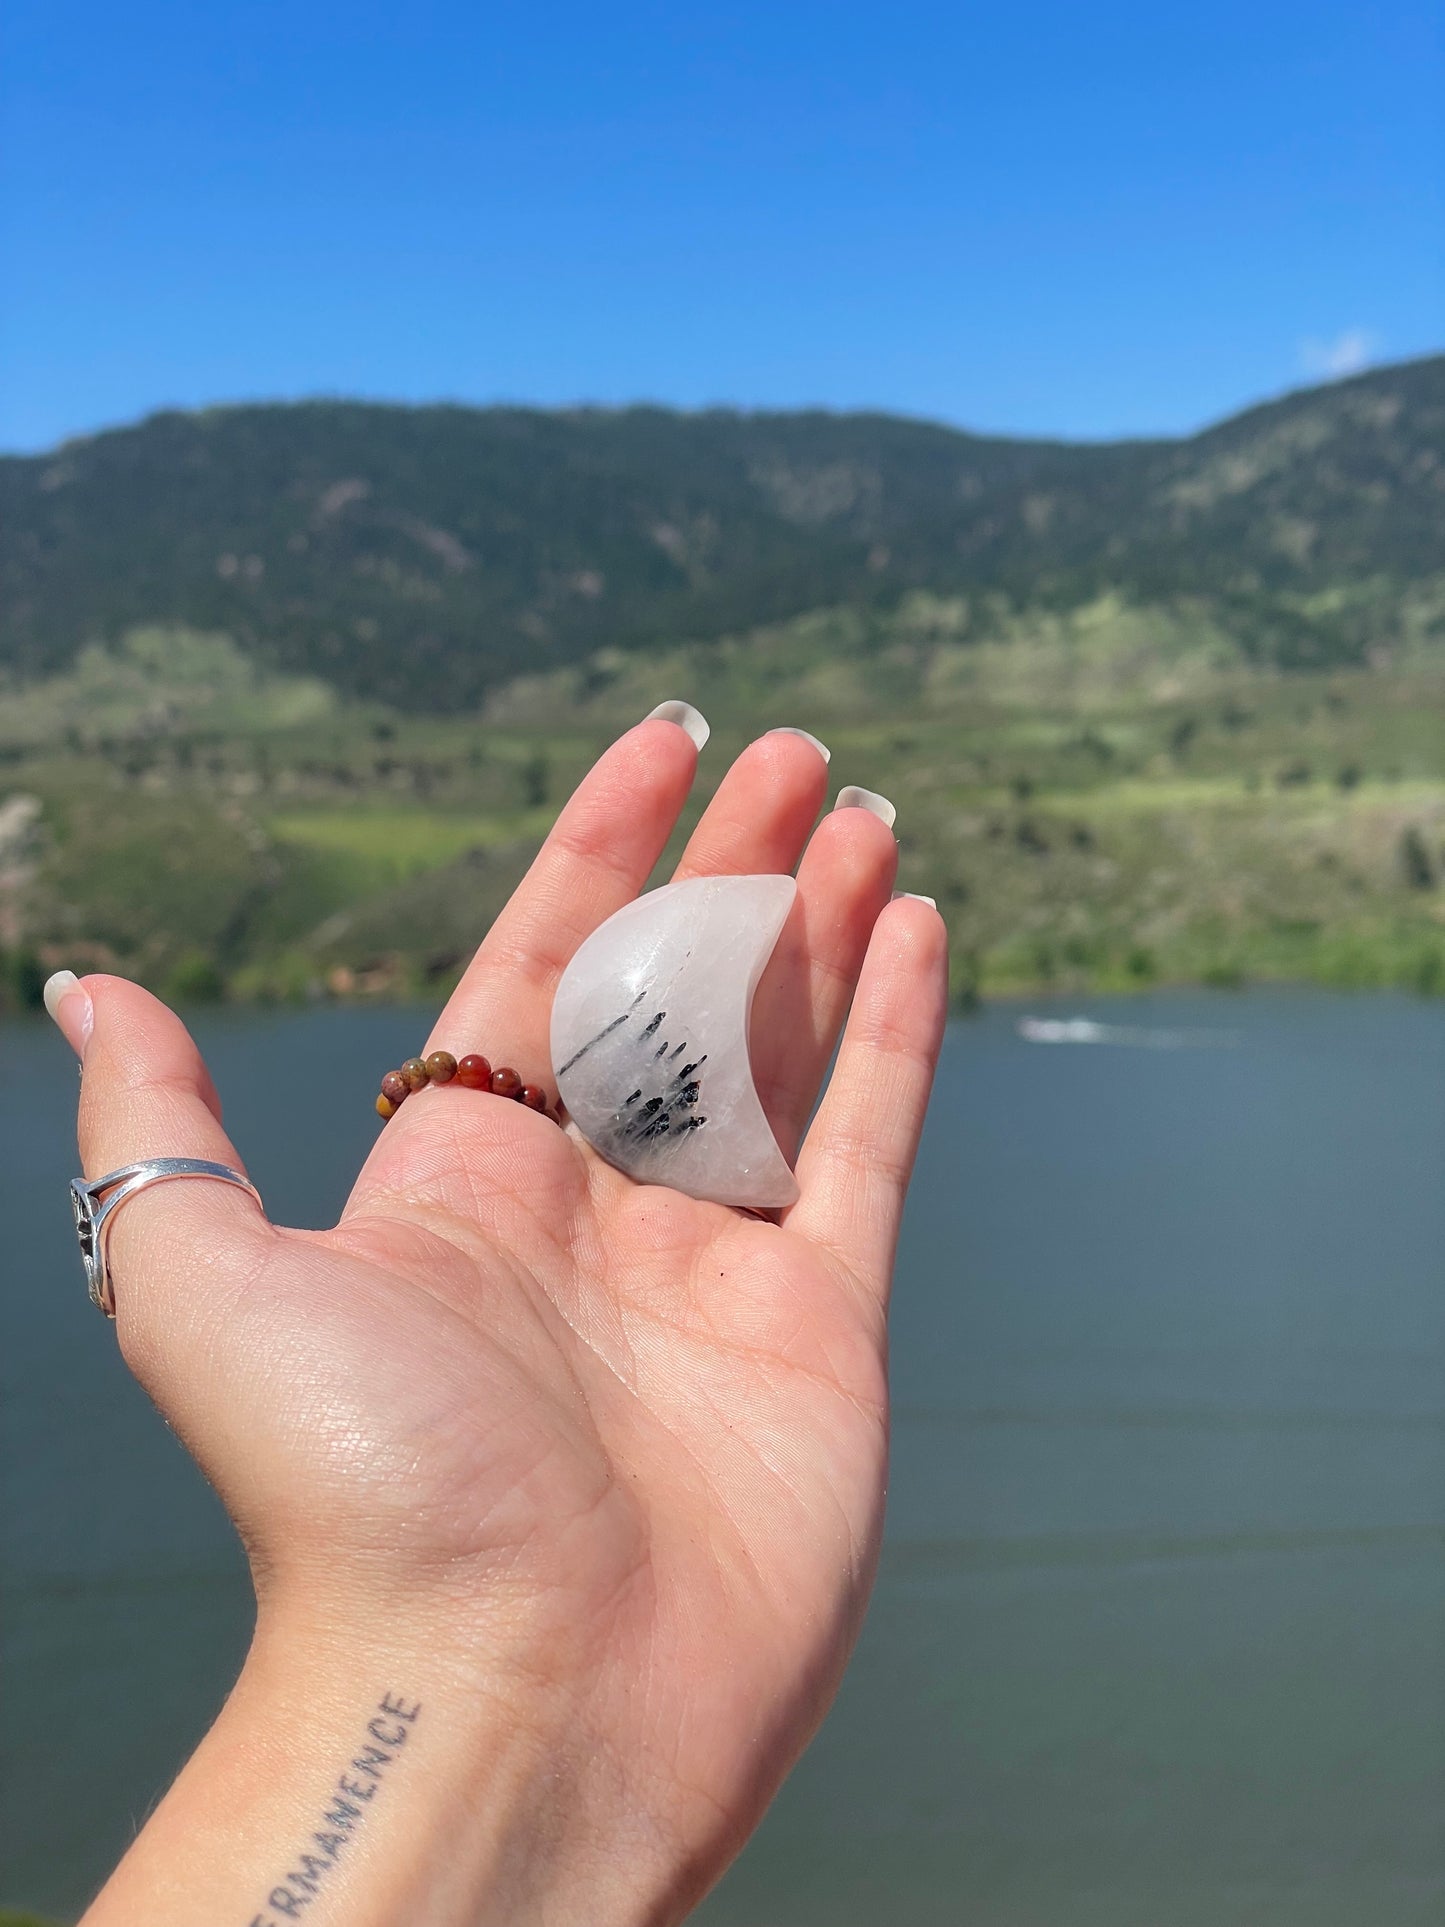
(1159, 1639)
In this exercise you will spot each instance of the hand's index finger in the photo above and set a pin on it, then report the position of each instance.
(598, 854)
(597, 857)
(858, 1155)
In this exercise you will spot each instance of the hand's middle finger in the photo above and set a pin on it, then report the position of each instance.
(763, 810)
(759, 822)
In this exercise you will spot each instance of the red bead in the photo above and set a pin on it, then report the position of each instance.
(534, 1097)
(395, 1087)
(506, 1083)
(441, 1067)
(475, 1072)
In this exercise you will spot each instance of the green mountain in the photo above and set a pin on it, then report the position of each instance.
(425, 556)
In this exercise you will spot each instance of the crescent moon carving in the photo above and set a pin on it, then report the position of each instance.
(650, 1039)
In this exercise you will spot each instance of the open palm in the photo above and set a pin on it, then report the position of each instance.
(588, 1432)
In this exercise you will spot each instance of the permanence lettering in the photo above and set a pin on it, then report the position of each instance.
(386, 1734)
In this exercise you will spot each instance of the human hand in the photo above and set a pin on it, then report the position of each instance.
(589, 1471)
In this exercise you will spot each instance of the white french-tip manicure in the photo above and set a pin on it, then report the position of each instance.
(914, 896)
(58, 987)
(686, 717)
(853, 798)
(71, 1008)
(807, 736)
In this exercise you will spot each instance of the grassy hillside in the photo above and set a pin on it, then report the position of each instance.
(1104, 797)
(425, 557)
(288, 696)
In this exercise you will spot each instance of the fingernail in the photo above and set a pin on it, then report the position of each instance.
(686, 717)
(853, 798)
(913, 896)
(822, 748)
(71, 1008)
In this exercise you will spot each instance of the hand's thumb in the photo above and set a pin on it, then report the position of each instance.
(146, 1093)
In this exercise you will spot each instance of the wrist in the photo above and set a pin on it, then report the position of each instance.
(399, 1772)
(489, 1804)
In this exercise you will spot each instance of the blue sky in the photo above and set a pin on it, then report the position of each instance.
(1049, 218)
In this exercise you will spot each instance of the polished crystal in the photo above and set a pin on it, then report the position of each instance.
(650, 1039)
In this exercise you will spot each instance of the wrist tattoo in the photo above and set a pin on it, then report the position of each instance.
(387, 1732)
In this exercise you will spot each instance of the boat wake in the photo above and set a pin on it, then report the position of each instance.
(1084, 1030)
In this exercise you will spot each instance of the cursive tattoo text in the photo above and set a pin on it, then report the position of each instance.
(386, 1733)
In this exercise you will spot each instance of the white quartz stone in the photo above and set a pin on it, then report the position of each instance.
(650, 1039)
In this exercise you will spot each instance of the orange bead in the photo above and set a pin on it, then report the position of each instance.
(475, 1072)
(506, 1083)
(534, 1097)
(384, 1107)
(441, 1067)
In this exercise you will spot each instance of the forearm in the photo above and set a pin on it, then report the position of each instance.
(372, 1783)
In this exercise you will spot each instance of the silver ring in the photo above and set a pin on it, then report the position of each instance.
(94, 1210)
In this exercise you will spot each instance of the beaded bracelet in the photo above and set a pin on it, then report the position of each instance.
(472, 1071)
